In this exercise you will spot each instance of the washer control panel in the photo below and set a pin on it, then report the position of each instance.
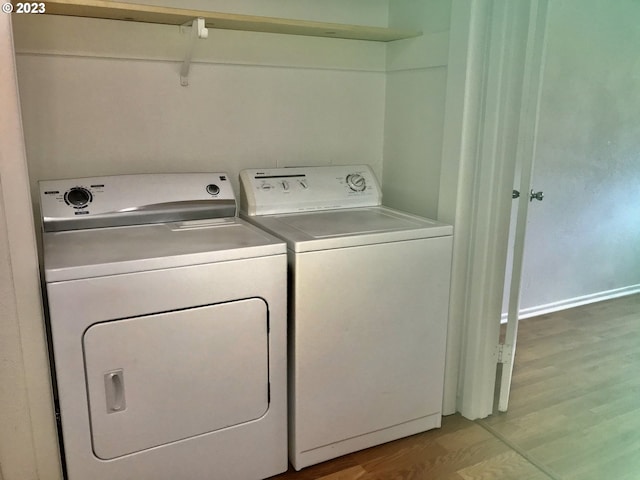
(117, 200)
(299, 189)
(356, 182)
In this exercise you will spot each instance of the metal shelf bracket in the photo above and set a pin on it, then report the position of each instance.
(198, 30)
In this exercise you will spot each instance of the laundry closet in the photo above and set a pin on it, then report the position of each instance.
(104, 97)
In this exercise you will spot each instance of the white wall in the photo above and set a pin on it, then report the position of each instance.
(103, 97)
(582, 240)
(415, 103)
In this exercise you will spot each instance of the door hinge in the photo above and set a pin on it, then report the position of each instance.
(504, 353)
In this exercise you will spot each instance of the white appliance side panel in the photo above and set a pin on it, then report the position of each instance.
(157, 379)
(369, 332)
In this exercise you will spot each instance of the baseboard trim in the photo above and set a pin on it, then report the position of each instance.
(574, 302)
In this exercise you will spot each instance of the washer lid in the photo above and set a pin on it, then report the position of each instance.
(348, 222)
(349, 227)
(100, 252)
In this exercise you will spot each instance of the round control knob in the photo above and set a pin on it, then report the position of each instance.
(213, 189)
(356, 182)
(78, 197)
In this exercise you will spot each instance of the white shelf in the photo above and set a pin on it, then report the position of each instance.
(175, 16)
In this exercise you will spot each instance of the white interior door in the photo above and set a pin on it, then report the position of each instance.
(525, 154)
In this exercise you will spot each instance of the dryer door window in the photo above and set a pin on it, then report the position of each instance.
(161, 378)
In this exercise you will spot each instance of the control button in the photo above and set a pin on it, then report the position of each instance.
(213, 189)
(356, 182)
(78, 197)
(303, 183)
(285, 185)
(266, 186)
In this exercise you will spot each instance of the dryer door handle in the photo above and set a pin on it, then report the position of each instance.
(114, 391)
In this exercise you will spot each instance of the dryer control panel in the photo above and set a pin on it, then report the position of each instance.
(118, 200)
(300, 189)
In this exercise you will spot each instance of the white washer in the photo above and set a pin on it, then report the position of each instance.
(368, 307)
(167, 318)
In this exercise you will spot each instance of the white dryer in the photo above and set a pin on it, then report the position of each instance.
(368, 307)
(167, 319)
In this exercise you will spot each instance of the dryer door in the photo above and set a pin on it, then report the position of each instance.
(161, 378)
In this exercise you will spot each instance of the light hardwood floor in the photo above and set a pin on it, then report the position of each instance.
(574, 412)
(575, 404)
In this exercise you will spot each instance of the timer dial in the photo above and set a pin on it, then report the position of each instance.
(78, 197)
(213, 189)
(356, 182)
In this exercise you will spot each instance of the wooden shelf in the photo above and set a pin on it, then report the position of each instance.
(175, 16)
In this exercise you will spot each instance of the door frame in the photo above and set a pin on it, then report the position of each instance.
(29, 439)
(483, 113)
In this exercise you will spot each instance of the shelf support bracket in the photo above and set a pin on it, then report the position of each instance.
(198, 30)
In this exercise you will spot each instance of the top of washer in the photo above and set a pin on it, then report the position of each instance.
(304, 189)
(324, 230)
(317, 208)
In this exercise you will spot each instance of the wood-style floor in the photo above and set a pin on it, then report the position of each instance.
(575, 403)
(574, 412)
